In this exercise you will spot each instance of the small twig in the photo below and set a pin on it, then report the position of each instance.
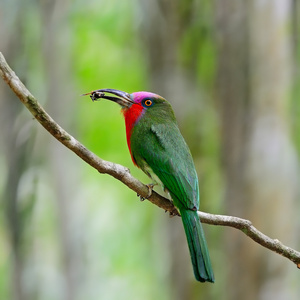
(123, 174)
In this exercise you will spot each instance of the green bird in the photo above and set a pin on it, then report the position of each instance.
(158, 148)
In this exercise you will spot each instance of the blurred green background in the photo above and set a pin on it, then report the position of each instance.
(230, 69)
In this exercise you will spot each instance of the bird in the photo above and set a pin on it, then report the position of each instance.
(158, 148)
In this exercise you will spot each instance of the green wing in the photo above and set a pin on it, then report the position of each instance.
(164, 150)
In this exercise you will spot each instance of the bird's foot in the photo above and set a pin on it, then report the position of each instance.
(141, 197)
(150, 189)
(171, 213)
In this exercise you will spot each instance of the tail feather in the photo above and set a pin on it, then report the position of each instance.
(197, 246)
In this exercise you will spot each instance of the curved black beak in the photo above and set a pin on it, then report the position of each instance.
(124, 99)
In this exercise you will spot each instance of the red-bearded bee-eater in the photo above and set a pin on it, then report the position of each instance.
(158, 148)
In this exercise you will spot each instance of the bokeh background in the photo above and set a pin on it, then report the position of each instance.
(230, 68)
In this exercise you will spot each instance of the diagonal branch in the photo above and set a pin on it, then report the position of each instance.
(123, 174)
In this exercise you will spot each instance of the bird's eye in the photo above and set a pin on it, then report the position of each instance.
(148, 102)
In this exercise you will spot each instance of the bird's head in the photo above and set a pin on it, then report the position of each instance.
(136, 105)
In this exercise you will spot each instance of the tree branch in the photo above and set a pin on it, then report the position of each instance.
(123, 174)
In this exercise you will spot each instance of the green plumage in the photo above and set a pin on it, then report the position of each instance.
(158, 147)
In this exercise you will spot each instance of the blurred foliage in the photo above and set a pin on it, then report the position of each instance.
(123, 243)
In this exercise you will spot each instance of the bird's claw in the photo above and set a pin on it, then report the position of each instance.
(150, 189)
(171, 214)
(141, 197)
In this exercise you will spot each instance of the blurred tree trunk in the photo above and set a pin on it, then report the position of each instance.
(296, 71)
(165, 23)
(160, 34)
(254, 85)
(56, 49)
(18, 139)
(16, 145)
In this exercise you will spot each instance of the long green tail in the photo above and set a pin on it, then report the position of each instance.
(197, 245)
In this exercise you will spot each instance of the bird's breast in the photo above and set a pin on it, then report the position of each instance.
(131, 115)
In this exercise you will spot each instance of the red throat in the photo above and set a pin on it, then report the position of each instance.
(131, 115)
